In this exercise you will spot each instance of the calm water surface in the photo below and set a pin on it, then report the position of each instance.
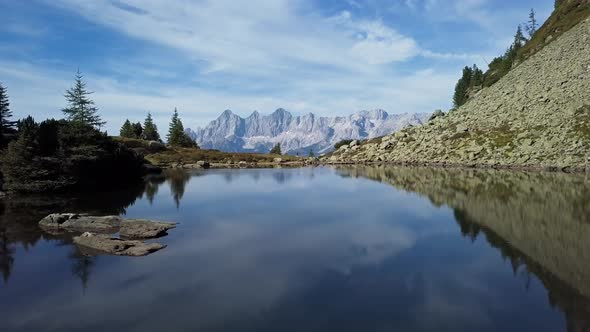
(314, 249)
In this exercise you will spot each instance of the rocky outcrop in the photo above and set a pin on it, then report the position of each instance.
(297, 134)
(97, 232)
(74, 222)
(97, 244)
(198, 165)
(537, 115)
(128, 228)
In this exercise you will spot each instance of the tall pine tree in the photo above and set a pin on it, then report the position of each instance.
(5, 112)
(532, 25)
(175, 129)
(176, 135)
(150, 130)
(80, 107)
(519, 38)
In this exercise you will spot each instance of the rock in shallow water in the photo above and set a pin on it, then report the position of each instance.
(97, 238)
(81, 223)
(96, 244)
(144, 229)
(128, 228)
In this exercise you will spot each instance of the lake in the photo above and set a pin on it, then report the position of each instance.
(313, 249)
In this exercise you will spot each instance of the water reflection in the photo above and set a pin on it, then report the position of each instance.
(177, 179)
(540, 222)
(19, 216)
(318, 249)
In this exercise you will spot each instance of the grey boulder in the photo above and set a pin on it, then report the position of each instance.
(96, 244)
(144, 229)
(127, 228)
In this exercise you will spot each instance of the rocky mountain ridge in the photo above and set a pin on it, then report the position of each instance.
(297, 134)
(538, 115)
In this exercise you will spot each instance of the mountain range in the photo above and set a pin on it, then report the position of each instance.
(297, 134)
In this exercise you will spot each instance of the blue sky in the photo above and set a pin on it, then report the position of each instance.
(330, 57)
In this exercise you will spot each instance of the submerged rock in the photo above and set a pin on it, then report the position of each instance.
(95, 244)
(128, 228)
(144, 229)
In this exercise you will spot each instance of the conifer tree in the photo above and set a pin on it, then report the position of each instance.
(311, 154)
(519, 38)
(5, 112)
(80, 107)
(461, 88)
(174, 129)
(127, 130)
(276, 149)
(137, 130)
(150, 130)
(477, 78)
(176, 135)
(532, 25)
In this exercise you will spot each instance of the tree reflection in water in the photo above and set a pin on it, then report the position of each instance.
(540, 222)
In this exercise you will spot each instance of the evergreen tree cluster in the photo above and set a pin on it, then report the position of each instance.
(60, 154)
(500, 66)
(147, 132)
(276, 149)
(131, 130)
(64, 154)
(472, 78)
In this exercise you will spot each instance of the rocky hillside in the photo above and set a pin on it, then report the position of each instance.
(538, 115)
(297, 134)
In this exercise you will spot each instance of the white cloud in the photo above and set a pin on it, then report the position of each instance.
(335, 94)
(265, 36)
(381, 45)
(243, 56)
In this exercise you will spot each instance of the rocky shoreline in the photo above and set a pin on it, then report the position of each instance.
(528, 168)
(537, 117)
(278, 162)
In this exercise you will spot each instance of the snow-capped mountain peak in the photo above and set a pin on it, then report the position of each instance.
(297, 134)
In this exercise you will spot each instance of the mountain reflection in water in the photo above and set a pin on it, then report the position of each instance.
(312, 249)
(540, 222)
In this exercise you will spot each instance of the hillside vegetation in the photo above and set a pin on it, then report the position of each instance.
(538, 115)
(567, 14)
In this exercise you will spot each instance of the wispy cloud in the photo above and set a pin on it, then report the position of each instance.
(206, 56)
